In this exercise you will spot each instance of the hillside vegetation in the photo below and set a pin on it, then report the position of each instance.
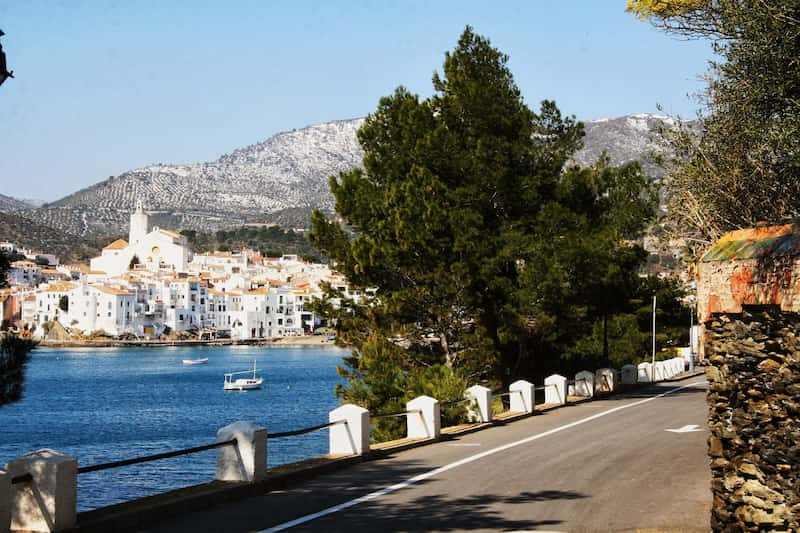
(271, 241)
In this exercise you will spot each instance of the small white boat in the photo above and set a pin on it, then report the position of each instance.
(243, 383)
(202, 361)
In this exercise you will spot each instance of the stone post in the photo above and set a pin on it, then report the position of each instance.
(351, 437)
(660, 375)
(481, 411)
(521, 396)
(49, 501)
(247, 459)
(426, 422)
(555, 389)
(669, 369)
(584, 384)
(629, 375)
(605, 380)
(5, 501)
(644, 373)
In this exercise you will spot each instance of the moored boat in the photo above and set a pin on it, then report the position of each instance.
(241, 384)
(200, 361)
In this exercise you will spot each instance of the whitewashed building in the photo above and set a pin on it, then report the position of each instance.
(155, 249)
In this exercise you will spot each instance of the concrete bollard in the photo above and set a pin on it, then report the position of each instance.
(5, 501)
(584, 384)
(352, 437)
(629, 375)
(644, 373)
(425, 424)
(605, 380)
(521, 396)
(49, 501)
(481, 409)
(555, 389)
(659, 371)
(247, 459)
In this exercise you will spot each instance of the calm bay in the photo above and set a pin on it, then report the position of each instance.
(107, 404)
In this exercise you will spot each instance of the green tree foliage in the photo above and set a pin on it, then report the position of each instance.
(488, 251)
(14, 354)
(628, 335)
(743, 168)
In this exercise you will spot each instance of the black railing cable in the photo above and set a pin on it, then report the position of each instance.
(456, 402)
(22, 478)
(303, 431)
(398, 413)
(154, 457)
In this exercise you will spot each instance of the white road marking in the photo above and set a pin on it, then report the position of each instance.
(464, 444)
(686, 429)
(421, 477)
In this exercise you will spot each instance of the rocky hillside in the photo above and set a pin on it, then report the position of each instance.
(27, 233)
(285, 175)
(9, 204)
(626, 139)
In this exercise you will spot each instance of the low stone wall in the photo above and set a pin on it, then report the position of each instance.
(754, 420)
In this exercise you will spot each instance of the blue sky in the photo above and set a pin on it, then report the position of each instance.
(104, 87)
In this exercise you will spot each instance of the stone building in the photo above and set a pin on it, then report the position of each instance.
(754, 266)
(749, 301)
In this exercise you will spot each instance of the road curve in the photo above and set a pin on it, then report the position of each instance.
(606, 465)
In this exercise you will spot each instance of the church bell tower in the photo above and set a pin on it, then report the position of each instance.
(138, 225)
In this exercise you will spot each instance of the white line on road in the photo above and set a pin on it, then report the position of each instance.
(464, 444)
(686, 429)
(461, 462)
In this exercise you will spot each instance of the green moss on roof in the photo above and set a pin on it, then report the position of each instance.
(756, 243)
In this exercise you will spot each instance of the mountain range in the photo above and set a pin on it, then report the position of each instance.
(279, 180)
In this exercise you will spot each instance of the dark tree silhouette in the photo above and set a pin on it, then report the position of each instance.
(14, 354)
(4, 72)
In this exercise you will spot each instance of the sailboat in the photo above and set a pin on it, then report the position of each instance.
(247, 383)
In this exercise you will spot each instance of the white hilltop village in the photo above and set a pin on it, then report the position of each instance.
(153, 286)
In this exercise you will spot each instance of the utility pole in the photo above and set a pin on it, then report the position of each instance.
(653, 365)
(691, 335)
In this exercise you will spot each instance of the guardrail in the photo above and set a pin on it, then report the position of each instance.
(40, 487)
(154, 457)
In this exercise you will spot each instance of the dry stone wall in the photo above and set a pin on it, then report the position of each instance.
(754, 419)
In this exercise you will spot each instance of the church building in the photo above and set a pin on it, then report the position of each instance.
(155, 249)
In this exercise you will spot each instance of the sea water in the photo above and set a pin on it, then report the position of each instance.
(108, 404)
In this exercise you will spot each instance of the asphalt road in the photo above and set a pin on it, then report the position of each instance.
(607, 465)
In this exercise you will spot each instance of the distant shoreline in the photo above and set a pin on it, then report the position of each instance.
(308, 340)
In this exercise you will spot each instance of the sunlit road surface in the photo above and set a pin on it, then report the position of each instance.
(607, 465)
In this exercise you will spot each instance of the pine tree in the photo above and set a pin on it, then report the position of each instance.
(469, 222)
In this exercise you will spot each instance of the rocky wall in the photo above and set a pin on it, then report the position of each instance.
(754, 419)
